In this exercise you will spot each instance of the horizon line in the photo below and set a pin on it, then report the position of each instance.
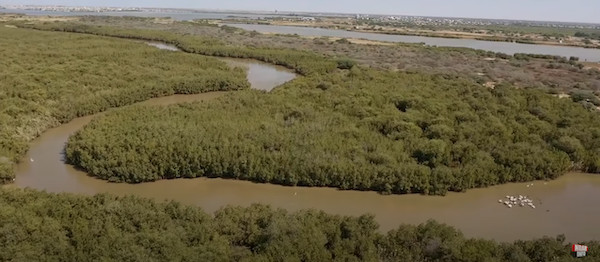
(305, 12)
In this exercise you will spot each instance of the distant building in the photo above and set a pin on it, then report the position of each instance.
(308, 18)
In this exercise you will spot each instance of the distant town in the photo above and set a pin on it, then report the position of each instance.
(451, 21)
(53, 8)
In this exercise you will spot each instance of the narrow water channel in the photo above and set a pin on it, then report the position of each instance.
(262, 76)
(567, 205)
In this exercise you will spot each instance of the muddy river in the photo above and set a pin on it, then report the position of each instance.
(567, 205)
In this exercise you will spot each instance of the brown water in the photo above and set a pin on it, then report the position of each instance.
(262, 76)
(567, 205)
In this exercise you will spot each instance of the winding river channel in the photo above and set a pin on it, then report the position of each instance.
(567, 205)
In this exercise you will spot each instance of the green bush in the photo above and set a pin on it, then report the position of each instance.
(585, 96)
(49, 78)
(345, 63)
(303, 62)
(6, 172)
(363, 130)
(41, 226)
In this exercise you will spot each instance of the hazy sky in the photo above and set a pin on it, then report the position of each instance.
(553, 10)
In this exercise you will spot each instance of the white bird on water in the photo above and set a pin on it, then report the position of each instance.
(30, 159)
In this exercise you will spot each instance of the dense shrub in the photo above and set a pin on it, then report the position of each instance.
(40, 226)
(48, 78)
(585, 96)
(367, 130)
(304, 62)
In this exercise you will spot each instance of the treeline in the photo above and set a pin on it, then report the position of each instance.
(588, 35)
(303, 62)
(560, 59)
(49, 227)
(47, 78)
(361, 129)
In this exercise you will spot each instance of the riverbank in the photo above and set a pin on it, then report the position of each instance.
(484, 35)
(296, 118)
(191, 45)
(65, 227)
(564, 206)
(44, 95)
(509, 48)
(261, 139)
(475, 212)
(101, 31)
(255, 70)
(389, 52)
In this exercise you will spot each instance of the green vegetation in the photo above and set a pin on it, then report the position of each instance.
(305, 63)
(548, 31)
(428, 176)
(38, 226)
(588, 35)
(50, 78)
(359, 129)
(434, 168)
(352, 128)
(514, 31)
(585, 96)
(546, 73)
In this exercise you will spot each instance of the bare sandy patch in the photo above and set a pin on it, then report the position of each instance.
(490, 85)
(13, 17)
(591, 65)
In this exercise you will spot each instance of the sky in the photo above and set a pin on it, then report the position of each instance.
(546, 10)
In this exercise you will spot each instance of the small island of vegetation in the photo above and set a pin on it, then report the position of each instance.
(358, 129)
(355, 128)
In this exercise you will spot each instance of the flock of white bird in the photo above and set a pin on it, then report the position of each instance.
(517, 201)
